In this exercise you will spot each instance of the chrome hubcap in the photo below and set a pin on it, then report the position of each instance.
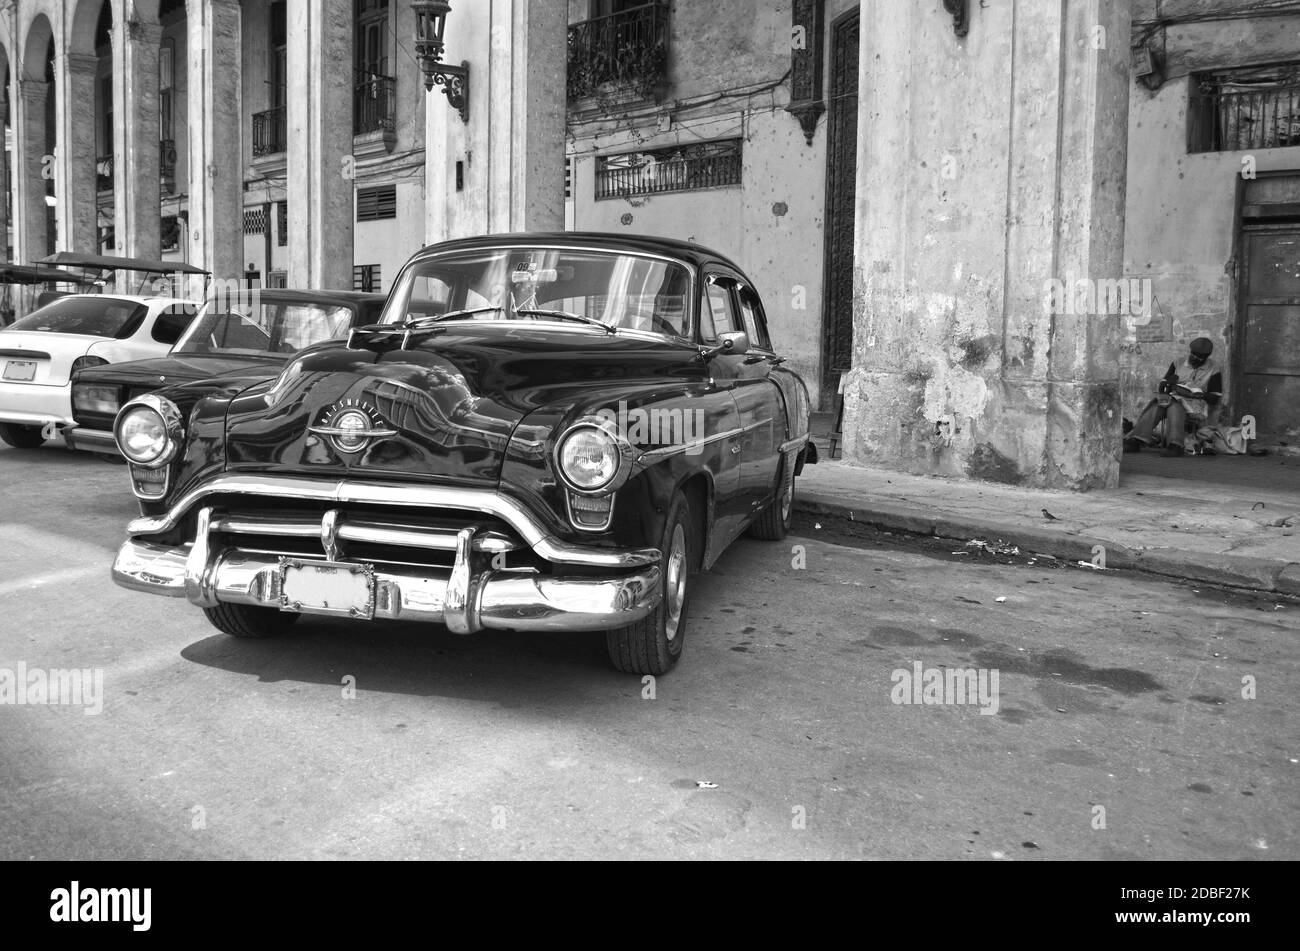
(675, 595)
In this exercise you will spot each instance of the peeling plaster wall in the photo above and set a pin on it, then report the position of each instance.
(988, 166)
(772, 224)
(1181, 206)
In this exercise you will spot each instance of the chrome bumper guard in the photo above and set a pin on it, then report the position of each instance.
(463, 597)
(91, 440)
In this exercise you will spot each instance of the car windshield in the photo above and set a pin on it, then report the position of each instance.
(93, 315)
(625, 291)
(263, 327)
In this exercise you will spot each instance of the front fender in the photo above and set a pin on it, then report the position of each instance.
(677, 435)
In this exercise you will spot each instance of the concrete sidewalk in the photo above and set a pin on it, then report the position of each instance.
(1223, 520)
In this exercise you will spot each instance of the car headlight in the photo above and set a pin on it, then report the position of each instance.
(148, 431)
(95, 399)
(590, 459)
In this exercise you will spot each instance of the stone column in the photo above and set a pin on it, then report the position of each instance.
(319, 152)
(512, 148)
(30, 234)
(137, 222)
(75, 181)
(991, 170)
(5, 112)
(216, 132)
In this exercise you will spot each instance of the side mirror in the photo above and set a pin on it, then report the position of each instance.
(733, 343)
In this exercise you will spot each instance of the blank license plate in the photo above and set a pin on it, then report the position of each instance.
(20, 370)
(316, 588)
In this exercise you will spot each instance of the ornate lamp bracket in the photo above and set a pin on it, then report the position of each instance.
(960, 10)
(454, 81)
(807, 29)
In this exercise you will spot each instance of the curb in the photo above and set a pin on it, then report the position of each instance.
(1233, 571)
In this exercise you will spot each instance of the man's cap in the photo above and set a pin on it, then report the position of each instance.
(1202, 346)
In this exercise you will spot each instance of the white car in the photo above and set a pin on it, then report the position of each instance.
(40, 353)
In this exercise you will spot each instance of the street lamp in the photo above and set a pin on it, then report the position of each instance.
(430, 21)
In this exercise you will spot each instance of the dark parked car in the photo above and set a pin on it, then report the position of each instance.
(548, 432)
(229, 346)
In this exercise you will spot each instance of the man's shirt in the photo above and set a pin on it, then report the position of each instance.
(1206, 378)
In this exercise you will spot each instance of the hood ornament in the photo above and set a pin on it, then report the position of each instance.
(351, 425)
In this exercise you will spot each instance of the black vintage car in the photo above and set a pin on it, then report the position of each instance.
(233, 343)
(547, 432)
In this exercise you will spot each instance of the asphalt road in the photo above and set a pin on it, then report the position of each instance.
(1120, 730)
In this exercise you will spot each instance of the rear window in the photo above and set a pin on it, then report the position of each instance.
(94, 316)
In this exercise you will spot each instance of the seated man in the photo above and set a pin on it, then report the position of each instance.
(1186, 392)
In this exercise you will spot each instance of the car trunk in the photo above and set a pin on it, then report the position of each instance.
(51, 356)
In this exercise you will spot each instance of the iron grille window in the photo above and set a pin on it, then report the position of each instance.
(1239, 109)
(282, 223)
(627, 48)
(254, 221)
(376, 203)
(675, 169)
(365, 277)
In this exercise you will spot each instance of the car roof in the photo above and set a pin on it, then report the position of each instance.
(615, 241)
(286, 296)
(133, 298)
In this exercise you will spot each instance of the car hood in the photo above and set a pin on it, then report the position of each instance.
(180, 368)
(445, 409)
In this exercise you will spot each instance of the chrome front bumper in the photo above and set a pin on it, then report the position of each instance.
(462, 597)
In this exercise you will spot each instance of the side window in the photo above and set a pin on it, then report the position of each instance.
(171, 323)
(718, 314)
(751, 311)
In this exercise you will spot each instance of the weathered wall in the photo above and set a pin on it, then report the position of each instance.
(511, 151)
(772, 223)
(1179, 228)
(989, 166)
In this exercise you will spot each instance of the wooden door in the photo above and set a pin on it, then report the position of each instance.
(1267, 357)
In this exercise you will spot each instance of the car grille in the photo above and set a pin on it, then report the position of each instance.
(366, 533)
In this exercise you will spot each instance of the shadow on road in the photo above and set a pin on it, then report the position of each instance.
(505, 668)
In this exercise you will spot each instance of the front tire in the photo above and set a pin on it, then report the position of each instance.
(654, 644)
(21, 437)
(243, 620)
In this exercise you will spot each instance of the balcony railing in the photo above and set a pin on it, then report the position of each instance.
(626, 50)
(269, 131)
(167, 164)
(374, 103)
(710, 165)
(1230, 118)
(104, 173)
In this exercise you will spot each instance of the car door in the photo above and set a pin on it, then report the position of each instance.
(792, 411)
(755, 397)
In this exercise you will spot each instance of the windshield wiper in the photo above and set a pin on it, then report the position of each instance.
(450, 315)
(565, 315)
